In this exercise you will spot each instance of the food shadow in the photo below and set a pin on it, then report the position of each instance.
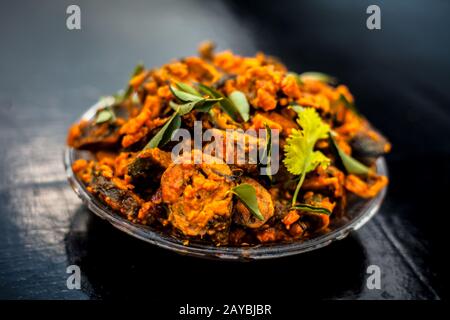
(115, 265)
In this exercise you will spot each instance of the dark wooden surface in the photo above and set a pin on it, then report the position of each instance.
(49, 76)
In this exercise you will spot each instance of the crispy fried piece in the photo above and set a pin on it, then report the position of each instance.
(198, 198)
(147, 161)
(265, 205)
(237, 148)
(330, 178)
(114, 192)
(364, 189)
(275, 121)
(89, 135)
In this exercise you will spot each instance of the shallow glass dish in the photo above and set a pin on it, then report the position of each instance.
(357, 215)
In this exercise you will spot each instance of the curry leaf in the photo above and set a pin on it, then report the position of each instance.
(137, 70)
(310, 208)
(318, 76)
(268, 151)
(105, 115)
(165, 133)
(348, 104)
(350, 164)
(299, 149)
(182, 109)
(247, 195)
(184, 96)
(239, 99)
(187, 88)
(226, 104)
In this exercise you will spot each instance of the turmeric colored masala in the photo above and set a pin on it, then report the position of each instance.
(326, 159)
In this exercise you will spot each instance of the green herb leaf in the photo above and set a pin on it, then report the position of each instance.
(309, 208)
(105, 115)
(350, 164)
(165, 133)
(299, 149)
(239, 99)
(226, 104)
(348, 104)
(138, 69)
(183, 109)
(187, 88)
(268, 151)
(318, 76)
(184, 96)
(296, 108)
(247, 195)
(206, 104)
(297, 77)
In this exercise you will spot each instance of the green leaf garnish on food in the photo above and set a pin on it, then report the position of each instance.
(299, 149)
(184, 96)
(348, 104)
(318, 76)
(225, 103)
(296, 108)
(138, 69)
(240, 101)
(297, 77)
(350, 164)
(187, 88)
(105, 115)
(165, 133)
(268, 151)
(192, 101)
(310, 208)
(247, 195)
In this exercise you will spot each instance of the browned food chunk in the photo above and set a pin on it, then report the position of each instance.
(198, 198)
(265, 205)
(89, 135)
(116, 196)
(147, 161)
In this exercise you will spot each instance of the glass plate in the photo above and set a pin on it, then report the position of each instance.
(357, 215)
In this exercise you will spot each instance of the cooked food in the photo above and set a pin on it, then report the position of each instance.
(226, 183)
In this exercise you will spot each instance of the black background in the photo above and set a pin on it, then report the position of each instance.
(400, 76)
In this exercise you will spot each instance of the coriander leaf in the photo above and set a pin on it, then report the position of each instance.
(187, 88)
(240, 101)
(317, 76)
(247, 195)
(165, 133)
(310, 208)
(299, 149)
(350, 164)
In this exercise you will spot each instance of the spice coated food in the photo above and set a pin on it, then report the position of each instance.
(328, 151)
